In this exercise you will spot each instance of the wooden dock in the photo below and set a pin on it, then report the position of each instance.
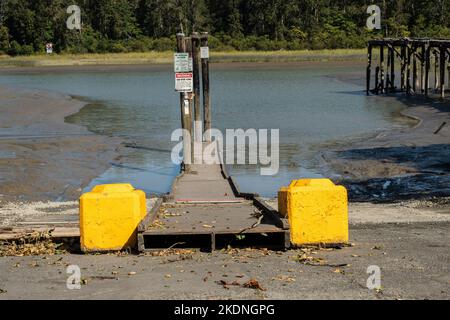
(206, 210)
(419, 59)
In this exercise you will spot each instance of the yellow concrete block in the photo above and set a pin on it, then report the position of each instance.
(317, 210)
(109, 217)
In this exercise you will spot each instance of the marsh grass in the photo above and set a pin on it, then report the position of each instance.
(166, 57)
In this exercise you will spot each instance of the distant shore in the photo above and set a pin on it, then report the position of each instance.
(166, 57)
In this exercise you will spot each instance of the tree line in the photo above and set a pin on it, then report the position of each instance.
(143, 25)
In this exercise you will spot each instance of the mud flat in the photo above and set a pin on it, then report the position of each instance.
(42, 158)
(400, 164)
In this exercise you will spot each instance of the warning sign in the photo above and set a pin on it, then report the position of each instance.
(204, 52)
(184, 82)
(183, 63)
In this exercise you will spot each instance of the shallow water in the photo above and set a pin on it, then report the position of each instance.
(312, 109)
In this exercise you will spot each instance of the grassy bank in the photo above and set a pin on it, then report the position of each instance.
(167, 57)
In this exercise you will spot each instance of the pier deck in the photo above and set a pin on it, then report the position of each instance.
(206, 210)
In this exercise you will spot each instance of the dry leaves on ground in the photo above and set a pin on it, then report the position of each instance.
(36, 243)
(251, 284)
(307, 257)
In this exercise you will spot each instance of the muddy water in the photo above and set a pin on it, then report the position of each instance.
(311, 108)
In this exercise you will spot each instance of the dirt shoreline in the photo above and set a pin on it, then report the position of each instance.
(43, 158)
(397, 164)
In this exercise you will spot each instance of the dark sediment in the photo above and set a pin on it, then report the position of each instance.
(41, 156)
(401, 164)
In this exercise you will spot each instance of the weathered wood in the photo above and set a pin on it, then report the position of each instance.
(422, 68)
(185, 113)
(436, 72)
(181, 47)
(198, 132)
(415, 80)
(408, 70)
(368, 71)
(442, 71)
(187, 118)
(427, 69)
(403, 68)
(377, 84)
(392, 69)
(382, 87)
(388, 74)
(206, 89)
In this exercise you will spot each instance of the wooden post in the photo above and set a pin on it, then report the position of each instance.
(415, 79)
(369, 65)
(436, 76)
(427, 69)
(198, 132)
(403, 67)
(388, 75)
(377, 75)
(442, 70)
(408, 70)
(185, 114)
(422, 69)
(205, 83)
(382, 69)
(189, 111)
(392, 69)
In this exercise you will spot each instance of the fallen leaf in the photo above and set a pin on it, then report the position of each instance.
(253, 284)
(284, 278)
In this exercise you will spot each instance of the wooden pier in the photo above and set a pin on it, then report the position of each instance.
(423, 65)
(205, 208)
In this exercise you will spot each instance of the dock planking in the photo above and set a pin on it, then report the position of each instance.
(205, 210)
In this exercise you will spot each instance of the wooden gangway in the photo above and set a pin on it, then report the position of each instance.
(206, 210)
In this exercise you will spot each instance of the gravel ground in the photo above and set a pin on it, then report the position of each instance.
(413, 259)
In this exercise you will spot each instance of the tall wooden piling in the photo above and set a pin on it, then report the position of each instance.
(408, 70)
(442, 51)
(427, 69)
(205, 85)
(403, 68)
(382, 87)
(392, 69)
(186, 121)
(436, 75)
(415, 80)
(377, 77)
(369, 66)
(198, 132)
(422, 68)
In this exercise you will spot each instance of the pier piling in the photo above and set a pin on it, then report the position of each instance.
(416, 57)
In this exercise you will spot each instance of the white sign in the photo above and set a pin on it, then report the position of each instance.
(204, 52)
(49, 48)
(184, 82)
(182, 62)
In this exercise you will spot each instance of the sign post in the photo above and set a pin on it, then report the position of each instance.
(204, 53)
(184, 85)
